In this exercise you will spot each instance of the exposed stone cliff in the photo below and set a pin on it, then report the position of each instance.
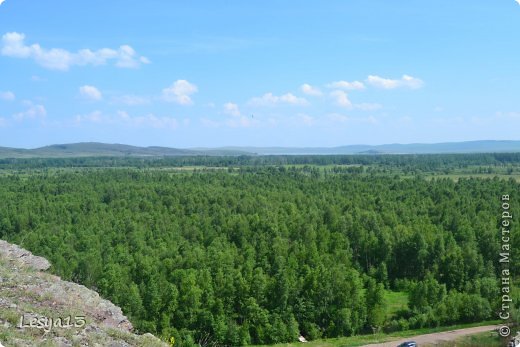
(40, 309)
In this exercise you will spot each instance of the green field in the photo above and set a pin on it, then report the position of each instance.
(395, 302)
(361, 340)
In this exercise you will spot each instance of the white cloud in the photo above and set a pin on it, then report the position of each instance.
(310, 90)
(33, 112)
(37, 78)
(384, 83)
(241, 122)
(356, 85)
(123, 118)
(127, 58)
(151, 120)
(92, 117)
(341, 98)
(507, 115)
(231, 109)
(368, 107)
(90, 93)
(209, 123)
(180, 92)
(131, 100)
(7, 96)
(518, 2)
(305, 119)
(269, 99)
(338, 118)
(13, 45)
(235, 121)
(405, 119)
(1, 2)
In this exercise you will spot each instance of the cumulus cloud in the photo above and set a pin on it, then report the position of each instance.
(231, 109)
(7, 96)
(32, 113)
(269, 99)
(310, 90)
(384, 83)
(14, 46)
(356, 85)
(90, 93)
(1, 2)
(180, 92)
(341, 98)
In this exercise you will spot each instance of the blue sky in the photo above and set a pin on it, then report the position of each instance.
(258, 73)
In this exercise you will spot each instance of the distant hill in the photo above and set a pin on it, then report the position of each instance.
(486, 146)
(90, 149)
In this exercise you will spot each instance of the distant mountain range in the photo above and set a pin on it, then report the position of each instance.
(93, 149)
(89, 149)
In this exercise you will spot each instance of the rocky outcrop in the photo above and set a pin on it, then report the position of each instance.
(22, 257)
(37, 308)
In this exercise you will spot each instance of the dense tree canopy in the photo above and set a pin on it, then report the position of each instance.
(264, 254)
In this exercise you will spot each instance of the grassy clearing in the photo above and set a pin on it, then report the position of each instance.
(396, 301)
(488, 339)
(354, 341)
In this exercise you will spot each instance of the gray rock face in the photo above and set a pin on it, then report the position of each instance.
(28, 294)
(23, 257)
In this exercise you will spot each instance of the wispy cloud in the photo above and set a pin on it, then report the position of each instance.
(341, 118)
(90, 93)
(368, 107)
(131, 100)
(123, 118)
(14, 46)
(356, 85)
(36, 78)
(230, 122)
(241, 122)
(305, 119)
(1, 2)
(7, 96)
(33, 112)
(385, 83)
(180, 92)
(269, 99)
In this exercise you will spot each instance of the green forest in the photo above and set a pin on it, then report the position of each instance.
(266, 249)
